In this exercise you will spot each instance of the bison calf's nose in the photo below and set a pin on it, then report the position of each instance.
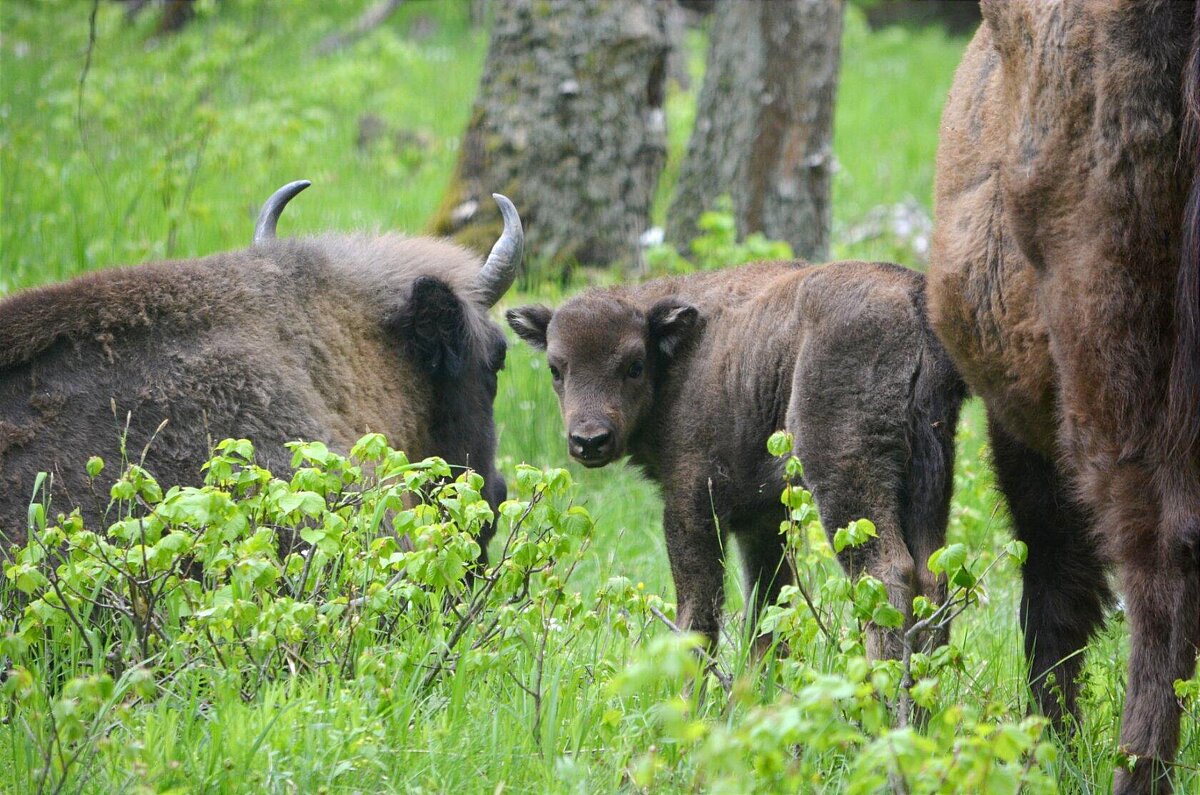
(591, 447)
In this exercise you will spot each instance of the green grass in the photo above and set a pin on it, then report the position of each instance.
(190, 136)
(173, 148)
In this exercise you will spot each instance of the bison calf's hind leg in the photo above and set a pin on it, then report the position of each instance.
(1064, 587)
(851, 479)
(852, 485)
(885, 558)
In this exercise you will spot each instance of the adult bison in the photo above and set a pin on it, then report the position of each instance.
(321, 338)
(1065, 283)
(691, 375)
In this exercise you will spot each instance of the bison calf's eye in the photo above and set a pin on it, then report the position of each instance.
(635, 370)
(555, 374)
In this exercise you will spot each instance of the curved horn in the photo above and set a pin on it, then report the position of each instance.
(498, 272)
(268, 217)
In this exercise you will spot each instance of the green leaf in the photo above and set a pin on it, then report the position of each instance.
(1017, 550)
(947, 559)
(306, 502)
(371, 447)
(885, 615)
(26, 577)
(779, 443)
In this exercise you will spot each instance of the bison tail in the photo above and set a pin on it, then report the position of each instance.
(938, 392)
(1184, 405)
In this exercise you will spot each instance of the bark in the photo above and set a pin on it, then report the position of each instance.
(764, 123)
(372, 18)
(568, 123)
(479, 13)
(175, 14)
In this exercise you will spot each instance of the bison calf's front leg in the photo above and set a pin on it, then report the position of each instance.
(697, 569)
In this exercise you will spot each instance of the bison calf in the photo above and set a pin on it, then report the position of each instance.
(690, 376)
(321, 338)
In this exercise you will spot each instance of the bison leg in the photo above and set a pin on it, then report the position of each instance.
(851, 433)
(1162, 603)
(694, 546)
(854, 485)
(1064, 587)
(762, 548)
(886, 558)
(923, 542)
(855, 488)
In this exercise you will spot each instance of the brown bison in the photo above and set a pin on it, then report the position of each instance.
(691, 375)
(1065, 284)
(321, 338)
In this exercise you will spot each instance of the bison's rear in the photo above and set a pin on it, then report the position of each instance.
(937, 395)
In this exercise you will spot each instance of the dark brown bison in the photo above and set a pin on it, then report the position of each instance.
(321, 338)
(691, 375)
(1065, 284)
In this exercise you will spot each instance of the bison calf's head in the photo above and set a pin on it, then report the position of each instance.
(605, 356)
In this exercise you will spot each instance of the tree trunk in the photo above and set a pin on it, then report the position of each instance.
(764, 123)
(175, 14)
(569, 124)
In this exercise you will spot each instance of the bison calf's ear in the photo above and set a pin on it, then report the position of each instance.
(530, 323)
(671, 323)
(434, 324)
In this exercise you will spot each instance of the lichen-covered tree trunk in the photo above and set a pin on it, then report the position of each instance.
(569, 124)
(764, 123)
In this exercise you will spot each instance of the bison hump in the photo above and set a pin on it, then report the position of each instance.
(103, 306)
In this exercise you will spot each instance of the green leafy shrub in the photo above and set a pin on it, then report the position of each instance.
(330, 630)
(356, 576)
(717, 245)
(356, 567)
(848, 726)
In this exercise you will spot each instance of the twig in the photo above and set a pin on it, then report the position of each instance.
(372, 18)
(87, 66)
(714, 666)
(812, 608)
(133, 9)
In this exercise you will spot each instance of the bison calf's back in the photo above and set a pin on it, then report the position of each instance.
(689, 376)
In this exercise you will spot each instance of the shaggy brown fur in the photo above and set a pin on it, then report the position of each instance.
(317, 339)
(691, 375)
(1063, 288)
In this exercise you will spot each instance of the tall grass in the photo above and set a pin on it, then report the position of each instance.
(167, 148)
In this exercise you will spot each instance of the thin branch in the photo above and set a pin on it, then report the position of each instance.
(714, 666)
(87, 66)
(372, 18)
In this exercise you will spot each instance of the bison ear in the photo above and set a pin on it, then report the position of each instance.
(671, 324)
(530, 323)
(434, 323)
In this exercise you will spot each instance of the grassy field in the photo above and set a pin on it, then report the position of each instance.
(167, 150)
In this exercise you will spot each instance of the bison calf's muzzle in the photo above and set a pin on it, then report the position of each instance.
(591, 445)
